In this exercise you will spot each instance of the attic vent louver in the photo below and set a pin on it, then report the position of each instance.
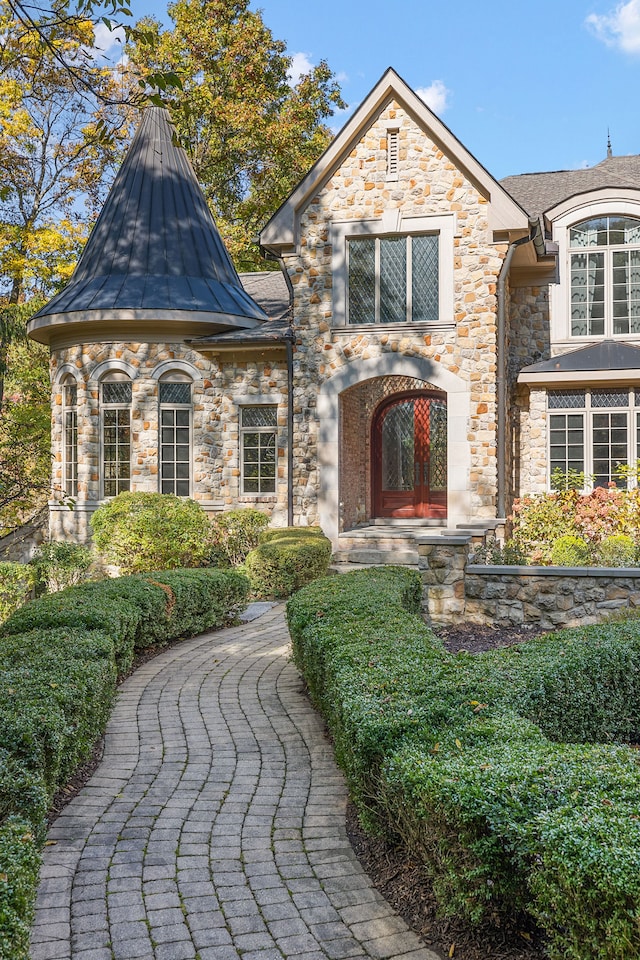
(392, 155)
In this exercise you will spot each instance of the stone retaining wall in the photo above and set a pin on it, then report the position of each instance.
(546, 597)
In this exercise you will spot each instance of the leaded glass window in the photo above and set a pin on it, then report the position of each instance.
(175, 437)
(605, 277)
(593, 435)
(70, 438)
(393, 279)
(259, 448)
(116, 436)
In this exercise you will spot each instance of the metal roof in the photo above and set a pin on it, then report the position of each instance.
(155, 249)
(608, 360)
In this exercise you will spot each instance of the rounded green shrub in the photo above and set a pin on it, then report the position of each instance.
(235, 533)
(16, 583)
(286, 559)
(570, 551)
(143, 532)
(618, 551)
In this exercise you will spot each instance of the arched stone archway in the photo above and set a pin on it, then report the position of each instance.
(345, 405)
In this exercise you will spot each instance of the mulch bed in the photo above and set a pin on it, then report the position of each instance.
(399, 878)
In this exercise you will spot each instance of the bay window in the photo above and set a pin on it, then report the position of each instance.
(594, 432)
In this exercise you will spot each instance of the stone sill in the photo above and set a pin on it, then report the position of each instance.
(487, 570)
(351, 329)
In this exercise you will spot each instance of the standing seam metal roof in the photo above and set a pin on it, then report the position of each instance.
(155, 245)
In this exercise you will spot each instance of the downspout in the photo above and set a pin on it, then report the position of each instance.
(501, 364)
(289, 340)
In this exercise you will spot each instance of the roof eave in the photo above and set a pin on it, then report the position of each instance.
(505, 212)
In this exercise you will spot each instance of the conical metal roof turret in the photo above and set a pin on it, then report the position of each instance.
(154, 264)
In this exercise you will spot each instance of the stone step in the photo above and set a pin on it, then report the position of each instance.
(375, 557)
(376, 543)
(345, 567)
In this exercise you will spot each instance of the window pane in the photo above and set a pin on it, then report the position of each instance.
(362, 281)
(610, 398)
(566, 434)
(174, 392)
(116, 391)
(259, 416)
(566, 399)
(610, 447)
(393, 279)
(424, 278)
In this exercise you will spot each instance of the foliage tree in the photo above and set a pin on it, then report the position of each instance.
(25, 424)
(250, 131)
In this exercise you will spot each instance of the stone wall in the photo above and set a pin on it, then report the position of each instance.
(218, 392)
(529, 342)
(463, 345)
(542, 597)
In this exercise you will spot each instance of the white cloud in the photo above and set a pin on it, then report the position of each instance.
(619, 28)
(436, 96)
(107, 42)
(300, 64)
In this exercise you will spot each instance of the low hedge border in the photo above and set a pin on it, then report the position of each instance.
(61, 656)
(287, 558)
(480, 763)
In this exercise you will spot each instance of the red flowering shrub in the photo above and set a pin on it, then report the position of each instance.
(538, 521)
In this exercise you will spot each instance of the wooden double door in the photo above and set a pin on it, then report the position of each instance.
(409, 456)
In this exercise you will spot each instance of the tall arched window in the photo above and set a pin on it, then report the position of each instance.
(70, 436)
(604, 255)
(115, 405)
(174, 397)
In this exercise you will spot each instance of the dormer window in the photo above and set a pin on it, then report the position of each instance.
(604, 255)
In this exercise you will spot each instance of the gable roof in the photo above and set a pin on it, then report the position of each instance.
(504, 212)
(155, 252)
(539, 192)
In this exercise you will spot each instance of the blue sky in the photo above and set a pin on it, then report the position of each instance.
(525, 87)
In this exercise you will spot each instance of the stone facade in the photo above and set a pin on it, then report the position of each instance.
(218, 393)
(428, 185)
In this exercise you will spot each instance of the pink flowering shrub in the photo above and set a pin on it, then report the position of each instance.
(538, 521)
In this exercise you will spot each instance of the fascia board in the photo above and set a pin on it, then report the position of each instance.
(504, 214)
(579, 377)
(605, 195)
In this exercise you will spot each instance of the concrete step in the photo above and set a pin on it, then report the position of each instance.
(345, 567)
(375, 557)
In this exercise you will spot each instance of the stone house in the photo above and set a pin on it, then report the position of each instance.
(434, 344)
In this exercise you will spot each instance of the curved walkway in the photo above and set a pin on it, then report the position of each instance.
(214, 827)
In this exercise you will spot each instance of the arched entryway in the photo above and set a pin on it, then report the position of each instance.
(409, 455)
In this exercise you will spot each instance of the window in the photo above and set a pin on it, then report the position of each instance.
(589, 432)
(175, 436)
(604, 255)
(258, 444)
(393, 279)
(116, 434)
(70, 436)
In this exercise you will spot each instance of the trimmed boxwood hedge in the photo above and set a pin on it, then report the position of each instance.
(499, 770)
(61, 656)
(286, 559)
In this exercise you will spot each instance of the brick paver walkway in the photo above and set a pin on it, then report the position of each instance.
(214, 827)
